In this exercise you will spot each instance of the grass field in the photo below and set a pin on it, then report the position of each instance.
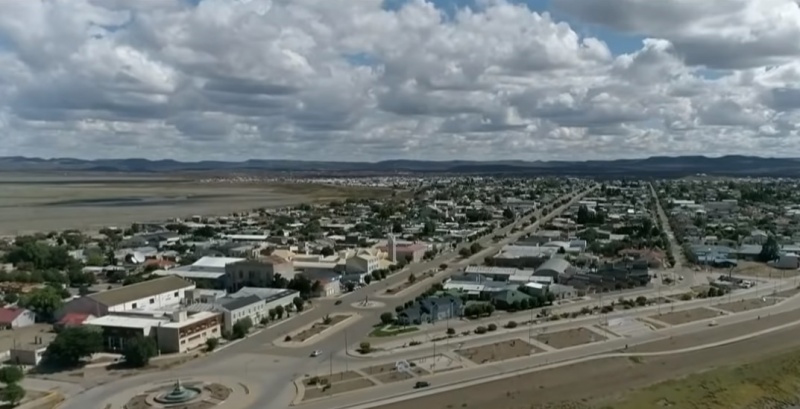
(89, 202)
(771, 383)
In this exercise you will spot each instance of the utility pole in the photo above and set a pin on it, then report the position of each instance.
(346, 363)
(330, 359)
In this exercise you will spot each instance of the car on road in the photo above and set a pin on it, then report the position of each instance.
(316, 353)
(421, 384)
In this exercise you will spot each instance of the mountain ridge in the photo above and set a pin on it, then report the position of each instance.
(664, 166)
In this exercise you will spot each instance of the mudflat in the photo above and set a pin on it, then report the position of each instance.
(612, 382)
(41, 203)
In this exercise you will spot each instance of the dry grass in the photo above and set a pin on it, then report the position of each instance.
(746, 305)
(337, 388)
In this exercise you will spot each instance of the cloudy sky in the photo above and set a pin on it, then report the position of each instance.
(381, 79)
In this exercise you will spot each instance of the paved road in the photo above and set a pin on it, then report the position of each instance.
(270, 370)
(390, 393)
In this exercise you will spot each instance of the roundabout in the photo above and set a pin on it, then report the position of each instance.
(367, 304)
(186, 394)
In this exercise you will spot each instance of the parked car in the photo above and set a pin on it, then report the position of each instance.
(421, 384)
(316, 353)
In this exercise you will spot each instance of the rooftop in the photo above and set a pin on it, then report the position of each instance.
(194, 318)
(126, 321)
(141, 290)
(214, 262)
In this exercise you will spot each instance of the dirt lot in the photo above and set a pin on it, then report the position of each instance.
(336, 388)
(569, 338)
(499, 351)
(745, 305)
(395, 376)
(683, 317)
(56, 202)
(24, 336)
(589, 384)
(318, 328)
(788, 293)
(754, 269)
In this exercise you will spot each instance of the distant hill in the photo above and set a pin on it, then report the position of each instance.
(659, 166)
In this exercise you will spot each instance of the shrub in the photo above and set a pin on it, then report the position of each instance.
(451, 331)
(364, 347)
(492, 327)
(511, 324)
(481, 330)
(287, 338)
(211, 344)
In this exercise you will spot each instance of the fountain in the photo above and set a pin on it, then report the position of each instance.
(178, 394)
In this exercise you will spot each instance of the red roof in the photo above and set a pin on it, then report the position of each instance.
(8, 315)
(73, 318)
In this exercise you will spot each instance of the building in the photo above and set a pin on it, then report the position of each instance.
(411, 252)
(174, 333)
(11, 318)
(235, 309)
(272, 297)
(523, 256)
(509, 298)
(72, 320)
(187, 332)
(164, 292)
(257, 272)
(29, 353)
(362, 264)
(431, 310)
(554, 268)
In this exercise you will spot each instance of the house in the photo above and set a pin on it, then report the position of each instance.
(258, 272)
(431, 310)
(239, 308)
(507, 298)
(148, 295)
(12, 317)
(72, 320)
(362, 264)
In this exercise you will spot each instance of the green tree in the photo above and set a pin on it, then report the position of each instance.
(10, 298)
(279, 310)
(13, 394)
(770, 250)
(298, 304)
(272, 314)
(139, 350)
(44, 301)
(11, 374)
(387, 318)
(73, 345)
(242, 327)
(326, 251)
(211, 344)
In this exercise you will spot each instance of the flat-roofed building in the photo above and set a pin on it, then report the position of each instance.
(257, 272)
(164, 292)
(174, 333)
(523, 256)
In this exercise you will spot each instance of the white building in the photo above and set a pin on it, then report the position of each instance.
(362, 264)
(160, 293)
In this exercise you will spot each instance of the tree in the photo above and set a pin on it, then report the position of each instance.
(350, 286)
(300, 284)
(326, 251)
(316, 288)
(364, 347)
(387, 318)
(298, 304)
(13, 394)
(11, 298)
(412, 278)
(73, 345)
(139, 350)
(770, 250)
(44, 301)
(397, 227)
(583, 215)
(451, 331)
(464, 252)
(367, 279)
(242, 327)
(11, 374)
(211, 344)
(272, 314)
(508, 214)
(279, 310)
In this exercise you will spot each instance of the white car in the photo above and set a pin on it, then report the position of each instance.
(316, 353)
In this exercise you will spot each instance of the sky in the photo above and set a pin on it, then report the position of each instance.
(368, 80)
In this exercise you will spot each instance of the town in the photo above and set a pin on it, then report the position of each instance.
(440, 260)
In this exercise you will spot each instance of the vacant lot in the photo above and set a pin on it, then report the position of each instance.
(745, 305)
(755, 269)
(55, 202)
(603, 382)
(337, 377)
(317, 328)
(684, 317)
(569, 338)
(337, 388)
(788, 293)
(499, 351)
(397, 376)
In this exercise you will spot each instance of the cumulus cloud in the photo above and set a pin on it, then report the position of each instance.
(353, 80)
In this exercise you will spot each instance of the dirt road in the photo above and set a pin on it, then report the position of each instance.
(600, 382)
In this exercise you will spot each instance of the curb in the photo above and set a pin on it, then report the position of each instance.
(299, 392)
